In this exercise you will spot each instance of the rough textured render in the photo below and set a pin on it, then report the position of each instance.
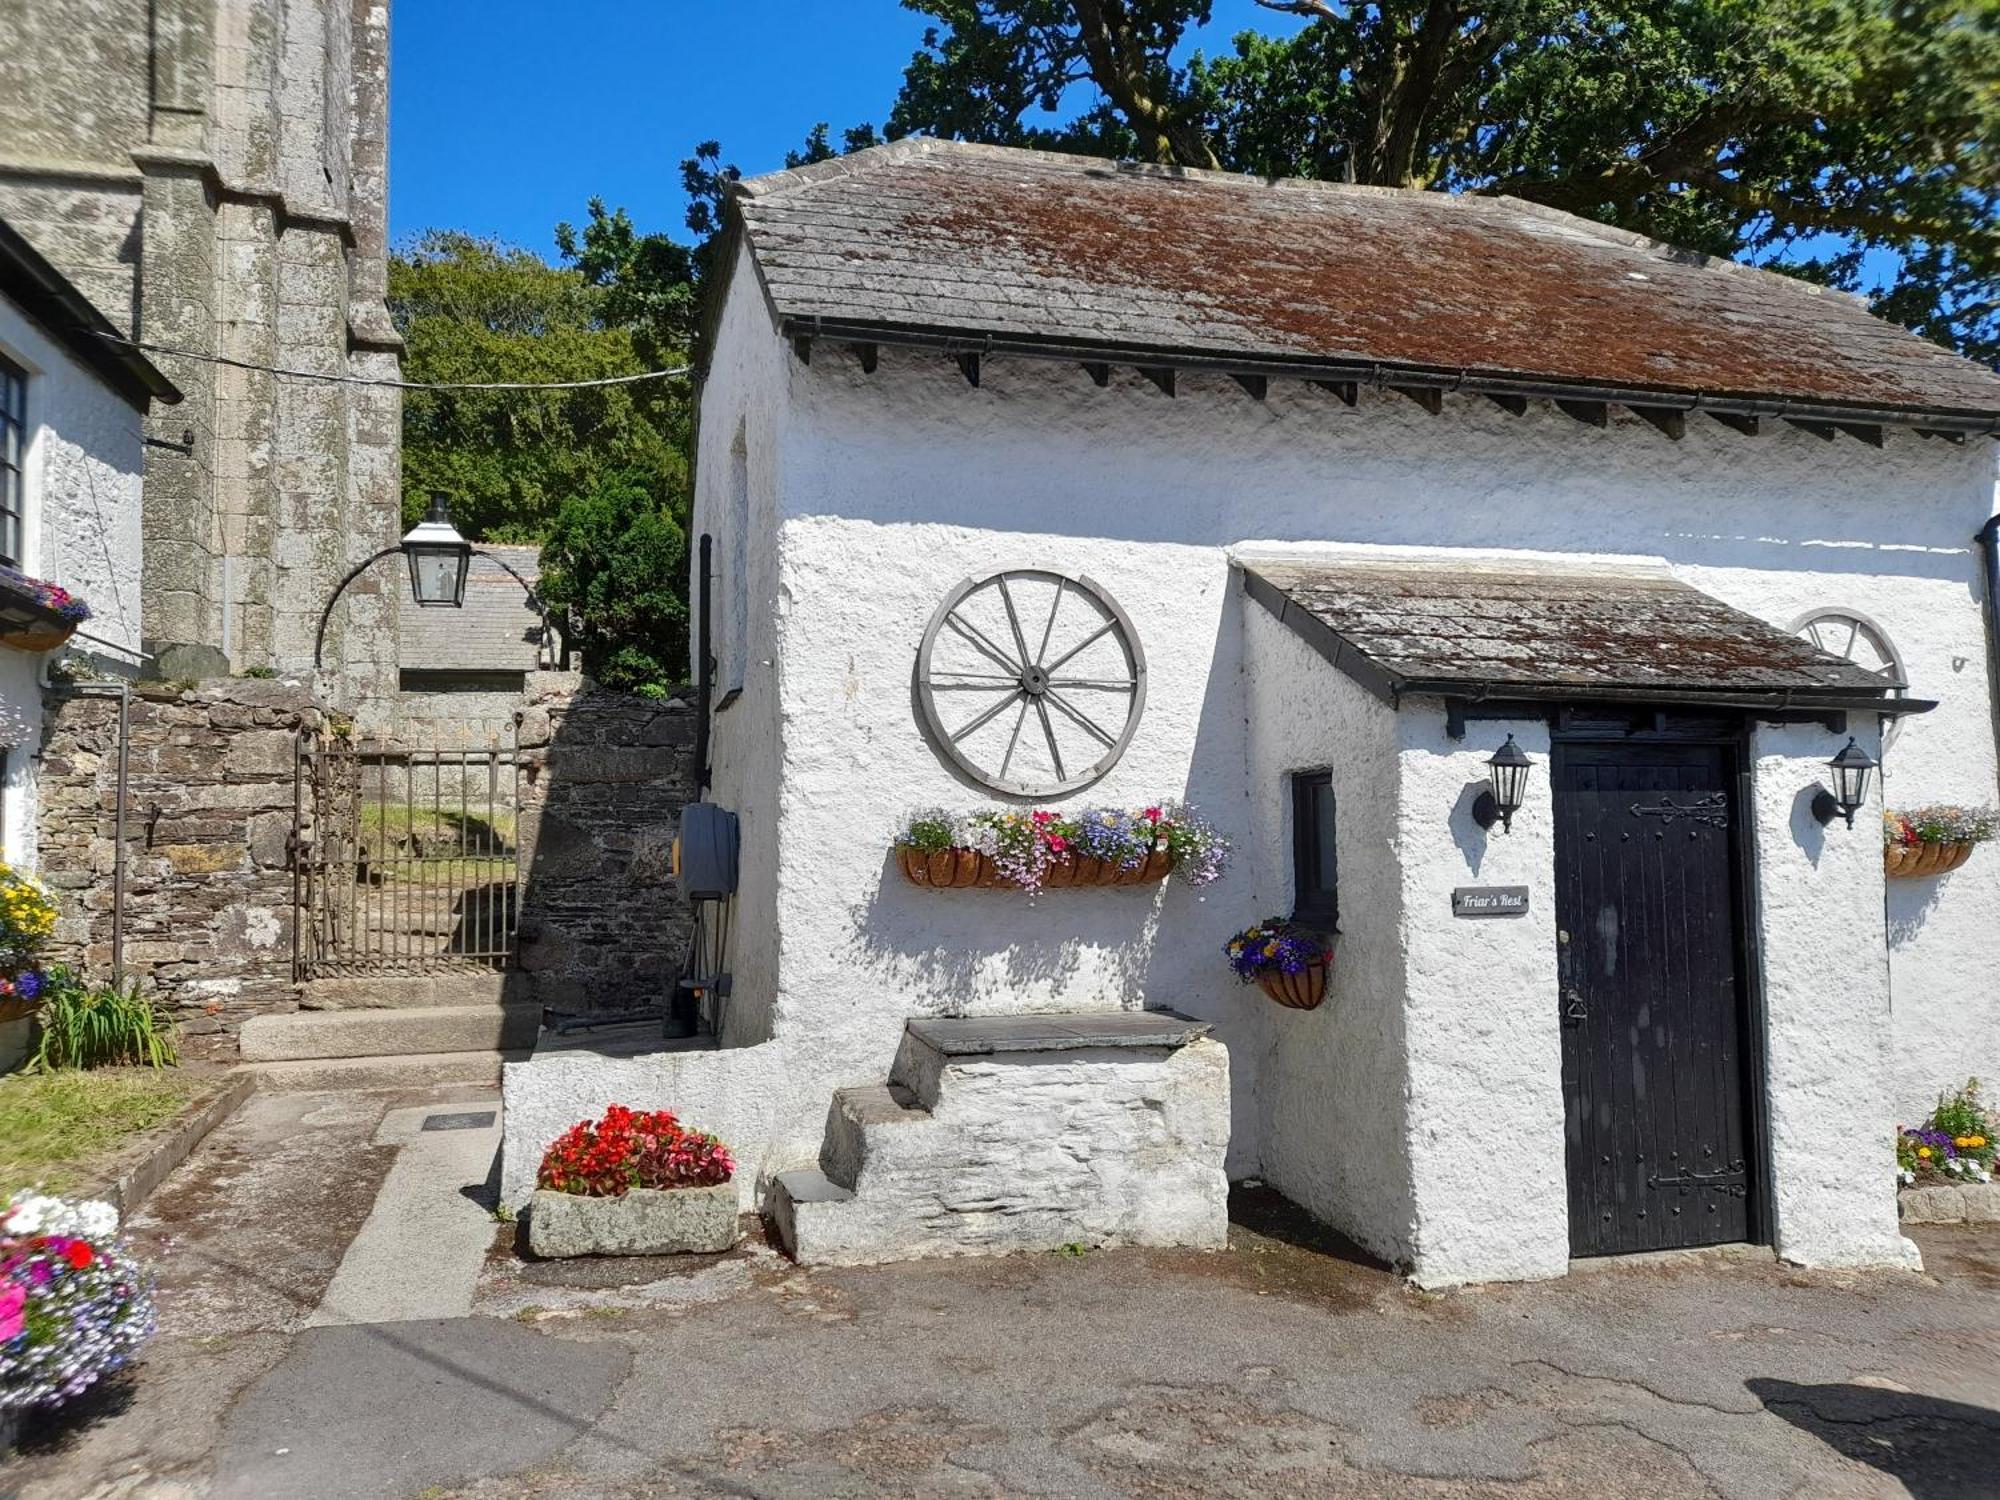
(211, 173)
(1827, 1030)
(1478, 625)
(1020, 1150)
(976, 240)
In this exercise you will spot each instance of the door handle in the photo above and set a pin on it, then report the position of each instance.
(1573, 1011)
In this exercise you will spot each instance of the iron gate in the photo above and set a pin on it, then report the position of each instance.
(405, 860)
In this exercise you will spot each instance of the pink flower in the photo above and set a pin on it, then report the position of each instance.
(12, 1302)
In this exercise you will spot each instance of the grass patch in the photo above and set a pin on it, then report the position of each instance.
(60, 1129)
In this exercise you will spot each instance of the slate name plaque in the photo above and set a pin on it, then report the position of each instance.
(1490, 901)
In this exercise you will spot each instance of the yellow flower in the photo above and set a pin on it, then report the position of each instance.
(1924, 1152)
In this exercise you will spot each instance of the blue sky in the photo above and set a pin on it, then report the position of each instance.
(503, 123)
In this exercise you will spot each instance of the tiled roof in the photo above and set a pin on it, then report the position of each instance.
(1077, 254)
(496, 631)
(1546, 631)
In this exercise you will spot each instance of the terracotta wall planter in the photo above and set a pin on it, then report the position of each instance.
(963, 869)
(1301, 991)
(1902, 861)
(38, 637)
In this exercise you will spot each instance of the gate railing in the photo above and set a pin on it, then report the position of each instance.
(405, 860)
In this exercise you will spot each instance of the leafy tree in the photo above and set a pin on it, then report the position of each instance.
(473, 310)
(1856, 142)
(615, 562)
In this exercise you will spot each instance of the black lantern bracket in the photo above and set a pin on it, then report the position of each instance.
(1851, 770)
(1506, 790)
(439, 522)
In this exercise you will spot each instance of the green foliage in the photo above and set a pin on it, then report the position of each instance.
(615, 561)
(474, 310)
(59, 1131)
(1852, 142)
(101, 1025)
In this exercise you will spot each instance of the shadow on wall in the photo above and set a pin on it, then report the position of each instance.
(604, 776)
(1939, 1450)
(1910, 904)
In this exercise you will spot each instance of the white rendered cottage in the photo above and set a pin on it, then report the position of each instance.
(73, 408)
(1368, 482)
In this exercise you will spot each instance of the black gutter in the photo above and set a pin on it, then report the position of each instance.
(1379, 374)
(704, 668)
(1989, 550)
(69, 317)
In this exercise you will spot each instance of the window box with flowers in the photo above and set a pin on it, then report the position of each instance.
(633, 1183)
(37, 616)
(1932, 840)
(1050, 850)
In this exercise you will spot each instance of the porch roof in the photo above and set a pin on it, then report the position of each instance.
(1499, 631)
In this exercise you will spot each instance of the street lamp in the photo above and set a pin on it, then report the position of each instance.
(439, 558)
(1851, 769)
(1510, 766)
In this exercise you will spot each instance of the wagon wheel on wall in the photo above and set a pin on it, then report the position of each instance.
(1031, 682)
(1858, 639)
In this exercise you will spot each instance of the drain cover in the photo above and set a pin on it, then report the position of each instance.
(471, 1120)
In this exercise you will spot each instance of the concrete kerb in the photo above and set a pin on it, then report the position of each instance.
(145, 1165)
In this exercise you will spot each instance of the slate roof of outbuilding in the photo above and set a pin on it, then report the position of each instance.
(982, 242)
(497, 630)
(1546, 631)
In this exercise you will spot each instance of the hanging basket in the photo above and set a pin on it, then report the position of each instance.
(1301, 991)
(38, 637)
(1907, 861)
(947, 869)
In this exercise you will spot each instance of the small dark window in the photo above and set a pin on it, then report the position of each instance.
(1315, 864)
(13, 448)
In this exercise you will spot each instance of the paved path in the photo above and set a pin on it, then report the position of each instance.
(1274, 1368)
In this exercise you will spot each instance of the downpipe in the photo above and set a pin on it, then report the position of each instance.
(1989, 549)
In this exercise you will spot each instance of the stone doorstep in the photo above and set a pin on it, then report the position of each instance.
(982, 1036)
(306, 1035)
(416, 992)
(1950, 1203)
(356, 1074)
(676, 1221)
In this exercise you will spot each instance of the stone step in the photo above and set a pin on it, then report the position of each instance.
(422, 1070)
(416, 991)
(389, 1033)
(806, 1210)
(856, 1114)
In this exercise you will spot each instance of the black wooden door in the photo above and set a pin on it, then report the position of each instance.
(1652, 999)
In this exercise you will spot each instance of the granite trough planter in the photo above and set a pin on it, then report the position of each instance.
(645, 1221)
(1950, 1203)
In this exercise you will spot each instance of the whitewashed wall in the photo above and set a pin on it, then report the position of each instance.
(85, 458)
(872, 495)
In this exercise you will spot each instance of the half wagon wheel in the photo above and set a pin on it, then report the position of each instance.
(1031, 682)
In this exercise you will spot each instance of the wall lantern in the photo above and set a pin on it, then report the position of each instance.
(1510, 766)
(1850, 769)
(438, 556)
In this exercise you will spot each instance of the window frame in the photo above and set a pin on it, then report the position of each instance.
(14, 469)
(1314, 905)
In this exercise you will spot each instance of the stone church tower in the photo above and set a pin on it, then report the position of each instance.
(213, 173)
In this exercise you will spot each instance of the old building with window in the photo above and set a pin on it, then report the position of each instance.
(1524, 600)
(211, 174)
(73, 409)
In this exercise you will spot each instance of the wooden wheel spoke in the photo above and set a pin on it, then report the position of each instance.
(1096, 635)
(1105, 683)
(1014, 738)
(1089, 724)
(983, 719)
(979, 642)
(1055, 605)
(1049, 733)
(1014, 621)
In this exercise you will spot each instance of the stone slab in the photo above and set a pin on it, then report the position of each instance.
(977, 1036)
(1950, 1203)
(680, 1221)
(389, 1033)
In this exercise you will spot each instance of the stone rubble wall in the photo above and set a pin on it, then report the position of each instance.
(209, 814)
(604, 776)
